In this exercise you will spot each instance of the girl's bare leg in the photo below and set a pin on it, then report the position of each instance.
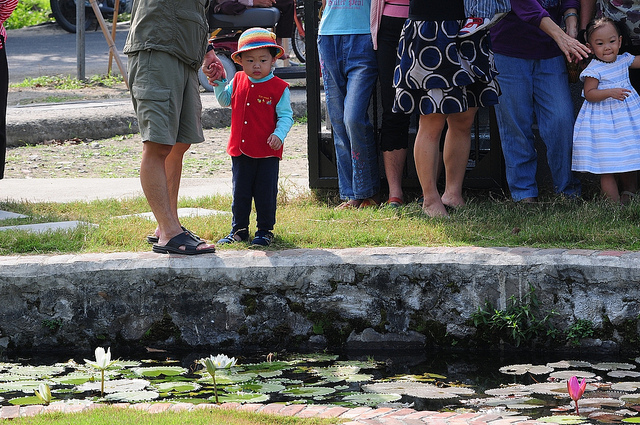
(457, 144)
(609, 187)
(427, 154)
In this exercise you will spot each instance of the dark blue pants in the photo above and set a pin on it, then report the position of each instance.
(254, 179)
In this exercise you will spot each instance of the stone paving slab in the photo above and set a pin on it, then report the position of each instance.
(48, 227)
(6, 215)
(355, 416)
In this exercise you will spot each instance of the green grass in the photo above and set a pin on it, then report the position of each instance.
(61, 82)
(309, 221)
(119, 416)
(28, 13)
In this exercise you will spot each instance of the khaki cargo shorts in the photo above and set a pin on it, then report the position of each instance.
(166, 98)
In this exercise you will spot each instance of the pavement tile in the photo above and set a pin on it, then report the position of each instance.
(230, 406)
(31, 410)
(355, 413)
(422, 414)
(443, 415)
(400, 412)
(74, 408)
(292, 409)
(140, 406)
(272, 408)
(390, 421)
(181, 407)
(333, 412)
(9, 412)
(205, 406)
(311, 411)
(54, 408)
(406, 421)
(159, 407)
(250, 407)
(376, 412)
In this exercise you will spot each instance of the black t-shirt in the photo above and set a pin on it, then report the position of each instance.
(436, 10)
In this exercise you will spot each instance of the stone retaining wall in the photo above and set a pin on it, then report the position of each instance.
(307, 299)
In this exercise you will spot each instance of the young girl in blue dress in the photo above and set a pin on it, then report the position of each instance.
(606, 136)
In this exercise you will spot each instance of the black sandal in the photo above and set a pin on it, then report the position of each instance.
(183, 239)
(151, 239)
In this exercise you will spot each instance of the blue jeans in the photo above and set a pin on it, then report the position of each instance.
(540, 87)
(349, 71)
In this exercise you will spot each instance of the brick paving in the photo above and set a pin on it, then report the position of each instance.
(355, 416)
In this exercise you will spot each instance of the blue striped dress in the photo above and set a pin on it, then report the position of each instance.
(606, 136)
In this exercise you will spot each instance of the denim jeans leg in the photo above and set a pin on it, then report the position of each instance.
(554, 109)
(243, 174)
(514, 114)
(349, 72)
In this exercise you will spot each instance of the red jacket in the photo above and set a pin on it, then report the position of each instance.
(253, 116)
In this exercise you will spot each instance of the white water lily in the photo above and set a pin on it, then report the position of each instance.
(102, 363)
(218, 362)
(43, 393)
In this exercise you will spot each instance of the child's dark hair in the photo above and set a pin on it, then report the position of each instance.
(273, 50)
(599, 23)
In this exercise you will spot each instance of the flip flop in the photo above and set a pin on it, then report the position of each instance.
(151, 239)
(183, 239)
(394, 202)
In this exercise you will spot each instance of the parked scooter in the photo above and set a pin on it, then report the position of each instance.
(226, 30)
(64, 12)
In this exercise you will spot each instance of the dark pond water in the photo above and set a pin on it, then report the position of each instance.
(531, 384)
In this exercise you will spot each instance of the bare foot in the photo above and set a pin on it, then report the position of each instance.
(453, 201)
(434, 209)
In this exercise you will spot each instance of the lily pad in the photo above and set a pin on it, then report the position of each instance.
(562, 419)
(558, 389)
(24, 401)
(159, 371)
(517, 403)
(74, 378)
(634, 420)
(179, 387)
(36, 371)
(521, 369)
(418, 389)
(629, 386)
(256, 387)
(631, 398)
(511, 390)
(567, 374)
(241, 398)
(371, 399)
(226, 377)
(565, 364)
(24, 386)
(599, 402)
(116, 385)
(308, 391)
(613, 366)
(623, 374)
(133, 396)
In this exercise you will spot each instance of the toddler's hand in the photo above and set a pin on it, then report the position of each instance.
(274, 142)
(620, 93)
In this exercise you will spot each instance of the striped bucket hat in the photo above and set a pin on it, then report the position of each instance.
(256, 38)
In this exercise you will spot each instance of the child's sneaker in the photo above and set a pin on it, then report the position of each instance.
(263, 238)
(241, 235)
(473, 25)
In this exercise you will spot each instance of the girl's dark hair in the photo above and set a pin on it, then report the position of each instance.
(599, 23)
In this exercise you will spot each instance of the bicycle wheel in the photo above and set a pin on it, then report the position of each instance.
(297, 44)
(64, 12)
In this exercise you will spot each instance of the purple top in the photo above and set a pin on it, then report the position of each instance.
(519, 35)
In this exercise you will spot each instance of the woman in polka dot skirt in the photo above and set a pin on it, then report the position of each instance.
(446, 79)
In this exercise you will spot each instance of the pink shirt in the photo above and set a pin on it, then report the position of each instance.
(394, 8)
(6, 9)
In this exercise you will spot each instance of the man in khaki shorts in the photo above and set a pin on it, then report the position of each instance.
(166, 46)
